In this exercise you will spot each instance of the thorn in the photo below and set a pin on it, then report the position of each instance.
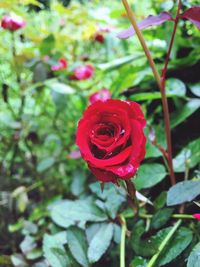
(117, 183)
(102, 187)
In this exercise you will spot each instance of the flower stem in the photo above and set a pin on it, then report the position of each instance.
(160, 80)
(132, 200)
(122, 243)
(165, 104)
(164, 243)
(150, 216)
(171, 41)
(132, 19)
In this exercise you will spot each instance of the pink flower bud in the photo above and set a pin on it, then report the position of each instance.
(196, 216)
(102, 95)
(12, 22)
(61, 65)
(82, 73)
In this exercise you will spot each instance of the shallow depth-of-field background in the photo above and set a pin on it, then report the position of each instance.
(52, 211)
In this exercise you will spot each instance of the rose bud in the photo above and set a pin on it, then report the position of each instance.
(111, 139)
(99, 38)
(102, 95)
(62, 64)
(12, 22)
(82, 73)
(196, 216)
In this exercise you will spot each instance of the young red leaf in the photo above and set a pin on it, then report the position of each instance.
(193, 14)
(146, 23)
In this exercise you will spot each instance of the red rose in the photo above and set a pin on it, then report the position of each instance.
(12, 22)
(99, 38)
(196, 216)
(82, 73)
(102, 95)
(111, 139)
(62, 64)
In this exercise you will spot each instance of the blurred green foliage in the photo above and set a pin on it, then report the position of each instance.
(51, 210)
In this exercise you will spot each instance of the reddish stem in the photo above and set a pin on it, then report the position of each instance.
(164, 99)
(171, 41)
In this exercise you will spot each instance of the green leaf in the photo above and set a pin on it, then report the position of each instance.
(160, 201)
(161, 217)
(194, 258)
(188, 157)
(177, 244)
(47, 45)
(39, 73)
(45, 164)
(66, 213)
(183, 192)
(54, 252)
(18, 260)
(149, 175)
(138, 262)
(145, 247)
(78, 181)
(152, 151)
(117, 63)
(78, 245)
(195, 89)
(181, 115)
(113, 197)
(60, 88)
(175, 87)
(100, 242)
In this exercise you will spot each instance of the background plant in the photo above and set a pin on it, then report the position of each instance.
(41, 185)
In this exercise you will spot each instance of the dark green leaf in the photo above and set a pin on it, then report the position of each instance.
(149, 175)
(78, 180)
(160, 201)
(161, 217)
(181, 115)
(113, 197)
(78, 245)
(179, 242)
(139, 262)
(40, 73)
(45, 164)
(194, 258)
(66, 213)
(54, 252)
(183, 192)
(188, 157)
(100, 242)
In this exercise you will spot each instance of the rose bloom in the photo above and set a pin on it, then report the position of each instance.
(12, 22)
(196, 216)
(111, 139)
(102, 95)
(99, 38)
(62, 64)
(82, 73)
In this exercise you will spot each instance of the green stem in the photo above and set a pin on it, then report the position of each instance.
(122, 243)
(164, 243)
(149, 216)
